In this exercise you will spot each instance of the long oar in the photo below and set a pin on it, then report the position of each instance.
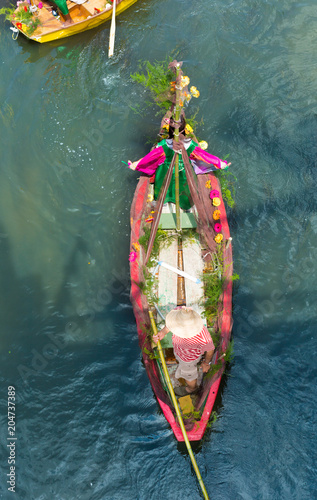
(178, 413)
(112, 29)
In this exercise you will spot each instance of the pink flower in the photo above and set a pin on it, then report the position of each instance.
(214, 194)
(40, 5)
(132, 256)
(218, 227)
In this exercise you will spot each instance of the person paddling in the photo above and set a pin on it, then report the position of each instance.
(191, 340)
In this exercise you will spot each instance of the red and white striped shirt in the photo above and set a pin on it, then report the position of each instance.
(190, 349)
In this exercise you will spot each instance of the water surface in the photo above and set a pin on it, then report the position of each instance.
(88, 426)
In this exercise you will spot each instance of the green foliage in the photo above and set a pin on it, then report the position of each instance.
(212, 419)
(21, 16)
(193, 416)
(33, 24)
(7, 12)
(213, 283)
(150, 354)
(148, 287)
(226, 179)
(229, 356)
(162, 239)
(213, 287)
(214, 369)
(216, 336)
(156, 78)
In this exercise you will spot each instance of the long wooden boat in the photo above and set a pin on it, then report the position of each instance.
(156, 288)
(42, 22)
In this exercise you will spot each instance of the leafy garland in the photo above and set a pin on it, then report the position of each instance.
(22, 17)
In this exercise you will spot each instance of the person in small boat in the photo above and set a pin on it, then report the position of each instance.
(159, 159)
(62, 6)
(191, 340)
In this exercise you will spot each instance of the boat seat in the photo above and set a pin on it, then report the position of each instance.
(167, 284)
(194, 266)
(168, 221)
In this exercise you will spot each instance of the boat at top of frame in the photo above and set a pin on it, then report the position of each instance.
(41, 21)
(191, 266)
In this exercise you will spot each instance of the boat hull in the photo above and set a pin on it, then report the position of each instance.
(140, 306)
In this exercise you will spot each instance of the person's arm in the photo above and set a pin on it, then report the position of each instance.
(205, 364)
(204, 162)
(150, 162)
(161, 334)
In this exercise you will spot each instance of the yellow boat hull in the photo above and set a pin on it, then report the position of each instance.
(42, 36)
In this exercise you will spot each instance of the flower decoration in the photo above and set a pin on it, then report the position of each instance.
(203, 145)
(187, 96)
(214, 194)
(25, 8)
(188, 129)
(184, 81)
(19, 26)
(216, 202)
(218, 227)
(218, 238)
(173, 84)
(40, 5)
(208, 184)
(132, 256)
(216, 215)
(136, 246)
(150, 197)
(194, 92)
(149, 219)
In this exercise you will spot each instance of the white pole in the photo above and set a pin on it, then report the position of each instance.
(178, 271)
(112, 29)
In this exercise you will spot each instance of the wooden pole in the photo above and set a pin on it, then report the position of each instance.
(112, 29)
(176, 138)
(178, 413)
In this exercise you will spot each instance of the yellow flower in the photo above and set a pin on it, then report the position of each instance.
(216, 215)
(208, 184)
(203, 145)
(150, 197)
(188, 129)
(218, 238)
(194, 91)
(136, 246)
(184, 81)
(166, 126)
(216, 202)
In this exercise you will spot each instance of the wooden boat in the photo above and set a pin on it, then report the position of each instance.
(158, 289)
(42, 26)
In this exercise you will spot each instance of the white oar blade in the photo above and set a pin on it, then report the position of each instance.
(112, 30)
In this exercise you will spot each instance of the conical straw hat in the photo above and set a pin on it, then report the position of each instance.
(184, 322)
